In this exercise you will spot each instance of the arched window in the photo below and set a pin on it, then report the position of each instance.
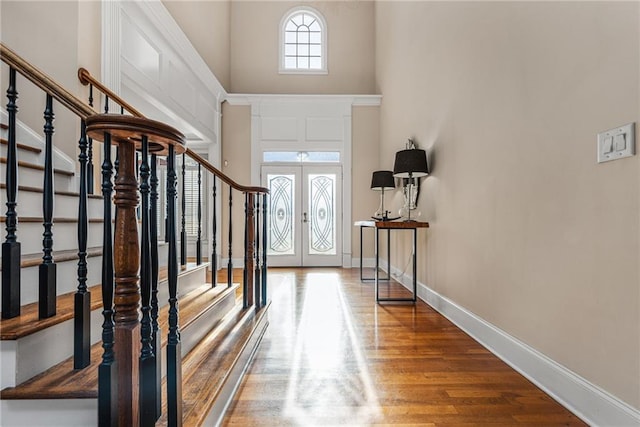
(303, 42)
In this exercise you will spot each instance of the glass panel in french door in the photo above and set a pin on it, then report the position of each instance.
(283, 230)
(322, 233)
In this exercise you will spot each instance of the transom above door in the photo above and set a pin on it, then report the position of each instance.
(305, 210)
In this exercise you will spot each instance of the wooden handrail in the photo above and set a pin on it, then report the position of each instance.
(86, 78)
(45, 83)
(222, 176)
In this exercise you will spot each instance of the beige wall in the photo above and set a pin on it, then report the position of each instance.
(236, 161)
(254, 48)
(528, 231)
(365, 144)
(206, 24)
(56, 37)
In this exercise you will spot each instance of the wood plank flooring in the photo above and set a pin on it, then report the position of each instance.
(332, 356)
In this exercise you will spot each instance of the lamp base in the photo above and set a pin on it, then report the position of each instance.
(384, 217)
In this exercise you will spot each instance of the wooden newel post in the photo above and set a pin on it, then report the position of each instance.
(127, 291)
(128, 131)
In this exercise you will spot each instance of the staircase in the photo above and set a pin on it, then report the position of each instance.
(193, 334)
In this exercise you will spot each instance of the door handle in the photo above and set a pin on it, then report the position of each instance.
(304, 217)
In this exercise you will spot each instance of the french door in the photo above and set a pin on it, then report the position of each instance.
(305, 215)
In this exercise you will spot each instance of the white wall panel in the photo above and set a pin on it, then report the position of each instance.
(324, 129)
(138, 51)
(279, 129)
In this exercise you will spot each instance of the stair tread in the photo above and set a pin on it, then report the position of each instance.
(38, 167)
(57, 192)
(63, 382)
(28, 322)
(22, 146)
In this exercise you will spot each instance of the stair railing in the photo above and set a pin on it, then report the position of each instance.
(129, 372)
(254, 284)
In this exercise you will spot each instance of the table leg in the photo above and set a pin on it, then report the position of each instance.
(376, 276)
(415, 263)
(389, 254)
(361, 256)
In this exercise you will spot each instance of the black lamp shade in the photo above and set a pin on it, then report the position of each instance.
(382, 180)
(410, 163)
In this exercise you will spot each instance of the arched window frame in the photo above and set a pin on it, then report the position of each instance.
(283, 24)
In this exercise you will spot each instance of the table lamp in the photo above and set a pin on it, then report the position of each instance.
(410, 163)
(380, 181)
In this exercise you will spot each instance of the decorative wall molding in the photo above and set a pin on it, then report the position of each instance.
(149, 61)
(354, 100)
(586, 400)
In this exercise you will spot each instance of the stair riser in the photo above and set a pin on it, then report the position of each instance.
(23, 155)
(197, 330)
(30, 204)
(65, 236)
(38, 352)
(32, 138)
(66, 278)
(28, 356)
(51, 413)
(33, 178)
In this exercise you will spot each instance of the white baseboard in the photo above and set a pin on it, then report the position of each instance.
(366, 262)
(592, 404)
(237, 262)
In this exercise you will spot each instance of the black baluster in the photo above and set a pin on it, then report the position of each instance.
(147, 360)
(116, 163)
(264, 249)
(230, 263)
(90, 166)
(137, 163)
(257, 276)
(183, 232)
(82, 301)
(106, 104)
(156, 337)
(107, 378)
(47, 270)
(199, 240)
(174, 362)
(11, 246)
(245, 272)
(214, 253)
(90, 94)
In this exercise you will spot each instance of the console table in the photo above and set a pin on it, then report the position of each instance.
(372, 224)
(399, 225)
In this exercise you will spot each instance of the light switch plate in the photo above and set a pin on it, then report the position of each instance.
(624, 143)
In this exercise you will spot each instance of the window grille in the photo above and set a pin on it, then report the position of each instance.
(303, 42)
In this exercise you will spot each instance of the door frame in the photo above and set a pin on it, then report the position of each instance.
(299, 123)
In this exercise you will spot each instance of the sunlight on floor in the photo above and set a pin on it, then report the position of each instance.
(322, 384)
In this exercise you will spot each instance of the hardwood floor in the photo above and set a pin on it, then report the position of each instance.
(332, 356)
